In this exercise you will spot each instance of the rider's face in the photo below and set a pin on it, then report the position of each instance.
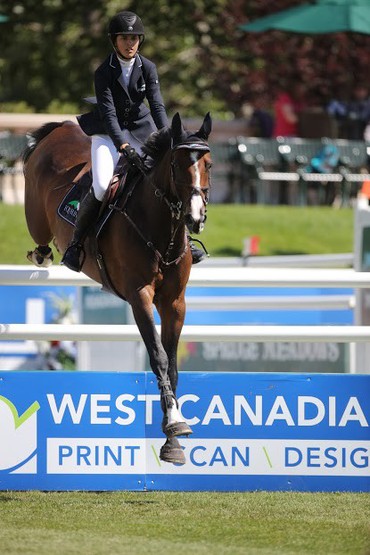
(127, 45)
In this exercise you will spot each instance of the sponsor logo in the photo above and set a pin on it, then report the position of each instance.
(305, 410)
(18, 437)
(70, 210)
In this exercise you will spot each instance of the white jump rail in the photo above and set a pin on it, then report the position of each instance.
(203, 277)
(115, 332)
(296, 302)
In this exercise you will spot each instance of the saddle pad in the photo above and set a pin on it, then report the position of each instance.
(68, 208)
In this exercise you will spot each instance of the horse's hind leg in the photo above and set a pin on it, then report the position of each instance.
(38, 227)
(42, 256)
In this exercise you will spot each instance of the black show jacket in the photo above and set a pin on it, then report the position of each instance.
(121, 111)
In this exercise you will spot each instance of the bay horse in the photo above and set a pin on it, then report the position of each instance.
(144, 244)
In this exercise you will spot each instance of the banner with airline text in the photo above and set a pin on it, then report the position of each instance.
(102, 431)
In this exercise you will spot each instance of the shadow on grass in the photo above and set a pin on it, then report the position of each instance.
(286, 252)
(226, 251)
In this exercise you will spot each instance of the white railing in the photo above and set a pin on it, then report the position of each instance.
(204, 277)
(114, 332)
(207, 277)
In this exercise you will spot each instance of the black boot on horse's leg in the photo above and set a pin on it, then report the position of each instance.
(87, 214)
(42, 256)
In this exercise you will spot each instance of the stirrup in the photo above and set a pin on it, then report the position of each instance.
(197, 254)
(71, 257)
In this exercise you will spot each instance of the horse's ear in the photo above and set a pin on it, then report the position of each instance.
(177, 128)
(206, 128)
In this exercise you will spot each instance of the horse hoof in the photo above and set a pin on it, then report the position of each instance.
(177, 429)
(172, 452)
(39, 259)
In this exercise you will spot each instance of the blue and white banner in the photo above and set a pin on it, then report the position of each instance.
(102, 431)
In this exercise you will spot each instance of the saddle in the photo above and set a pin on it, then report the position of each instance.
(68, 208)
(123, 182)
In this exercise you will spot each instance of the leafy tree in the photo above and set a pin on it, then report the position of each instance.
(49, 50)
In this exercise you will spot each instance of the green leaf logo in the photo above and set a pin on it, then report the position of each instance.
(74, 203)
(20, 419)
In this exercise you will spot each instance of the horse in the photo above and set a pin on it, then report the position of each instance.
(143, 250)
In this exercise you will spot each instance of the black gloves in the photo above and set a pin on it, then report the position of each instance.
(133, 158)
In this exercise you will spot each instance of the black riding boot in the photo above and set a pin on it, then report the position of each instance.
(197, 254)
(87, 214)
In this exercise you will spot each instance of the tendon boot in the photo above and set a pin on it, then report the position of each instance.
(86, 217)
(197, 254)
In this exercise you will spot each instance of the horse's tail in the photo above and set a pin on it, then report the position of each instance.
(36, 136)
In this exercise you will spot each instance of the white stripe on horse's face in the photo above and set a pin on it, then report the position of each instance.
(196, 200)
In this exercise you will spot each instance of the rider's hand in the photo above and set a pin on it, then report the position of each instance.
(132, 157)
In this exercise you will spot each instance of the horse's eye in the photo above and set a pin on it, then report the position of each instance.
(208, 166)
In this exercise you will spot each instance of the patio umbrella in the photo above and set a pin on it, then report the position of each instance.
(321, 16)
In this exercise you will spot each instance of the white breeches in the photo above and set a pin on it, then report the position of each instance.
(104, 157)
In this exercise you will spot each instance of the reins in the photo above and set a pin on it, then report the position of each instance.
(175, 208)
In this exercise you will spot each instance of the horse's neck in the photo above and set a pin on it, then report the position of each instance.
(155, 206)
(161, 176)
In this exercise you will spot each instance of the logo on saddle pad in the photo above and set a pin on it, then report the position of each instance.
(70, 205)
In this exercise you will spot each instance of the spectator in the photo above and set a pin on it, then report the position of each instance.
(358, 114)
(287, 108)
(261, 123)
(351, 112)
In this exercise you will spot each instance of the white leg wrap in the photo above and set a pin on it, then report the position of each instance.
(173, 415)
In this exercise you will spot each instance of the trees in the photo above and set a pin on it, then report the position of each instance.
(50, 48)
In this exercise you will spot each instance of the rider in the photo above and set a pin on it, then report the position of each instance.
(120, 123)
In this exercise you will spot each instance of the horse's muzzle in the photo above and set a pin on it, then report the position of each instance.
(195, 225)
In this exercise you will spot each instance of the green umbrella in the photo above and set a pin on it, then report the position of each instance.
(322, 16)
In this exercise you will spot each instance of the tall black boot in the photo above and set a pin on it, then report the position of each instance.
(87, 214)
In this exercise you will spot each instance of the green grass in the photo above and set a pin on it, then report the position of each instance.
(184, 523)
(282, 230)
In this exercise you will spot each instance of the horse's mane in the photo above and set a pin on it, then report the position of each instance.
(157, 144)
(160, 142)
(36, 136)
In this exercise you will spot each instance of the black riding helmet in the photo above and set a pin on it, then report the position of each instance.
(126, 23)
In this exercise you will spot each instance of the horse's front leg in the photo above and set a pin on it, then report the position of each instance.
(172, 315)
(174, 424)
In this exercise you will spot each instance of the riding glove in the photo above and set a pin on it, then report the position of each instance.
(133, 158)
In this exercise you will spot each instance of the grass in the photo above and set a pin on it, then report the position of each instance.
(282, 230)
(184, 523)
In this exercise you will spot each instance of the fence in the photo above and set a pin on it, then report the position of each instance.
(114, 332)
(206, 277)
(203, 277)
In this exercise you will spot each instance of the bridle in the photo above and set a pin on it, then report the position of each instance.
(175, 206)
(196, 147)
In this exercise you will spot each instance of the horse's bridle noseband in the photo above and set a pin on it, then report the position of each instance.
(197, 147)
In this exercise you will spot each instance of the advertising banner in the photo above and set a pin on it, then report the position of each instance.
(102, 431)
(250, 356)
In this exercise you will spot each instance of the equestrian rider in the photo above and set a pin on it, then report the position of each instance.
(120, 123)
